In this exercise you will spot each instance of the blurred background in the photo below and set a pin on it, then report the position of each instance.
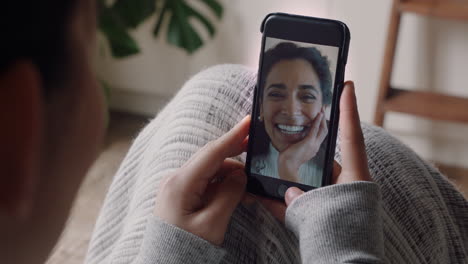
(142, 76)
(431, 54)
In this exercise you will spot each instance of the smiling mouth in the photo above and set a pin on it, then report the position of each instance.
(291, 130)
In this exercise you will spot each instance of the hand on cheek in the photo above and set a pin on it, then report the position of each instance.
(201, 196)
(290, 160)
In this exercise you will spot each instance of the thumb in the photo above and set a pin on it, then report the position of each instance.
(228, 194)
(291, 195)
(354, 158)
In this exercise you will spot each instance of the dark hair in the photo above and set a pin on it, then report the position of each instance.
(290, 51)
(37, 31)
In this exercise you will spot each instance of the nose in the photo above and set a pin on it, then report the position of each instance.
(292, 107)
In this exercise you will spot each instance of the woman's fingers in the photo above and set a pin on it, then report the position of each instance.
(201, 168)
(314, 135)
(315, 129)
(323, 130)
(336, 172)
(201, 196)
(292, 194)
(227, 196)
(228, 166)
(354, 158)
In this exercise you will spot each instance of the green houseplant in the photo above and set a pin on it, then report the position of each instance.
(117, 19)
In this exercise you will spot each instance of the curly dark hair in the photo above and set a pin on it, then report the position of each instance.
(289, 51)
(37, 31)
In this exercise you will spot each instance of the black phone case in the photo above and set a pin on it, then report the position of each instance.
(273, 187)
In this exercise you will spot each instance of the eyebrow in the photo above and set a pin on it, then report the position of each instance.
(282, 86)
(308, 87)
(277, 85)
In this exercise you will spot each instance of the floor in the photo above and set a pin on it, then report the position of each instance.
(73, 244)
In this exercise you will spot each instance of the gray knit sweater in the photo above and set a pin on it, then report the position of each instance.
(411, 214)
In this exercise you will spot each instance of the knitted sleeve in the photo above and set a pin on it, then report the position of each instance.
(339, 224)
(165, 243)
(335, 224)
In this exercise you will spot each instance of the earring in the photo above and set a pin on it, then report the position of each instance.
(260, 118)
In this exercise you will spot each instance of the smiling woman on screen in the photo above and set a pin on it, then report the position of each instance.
(295, 89)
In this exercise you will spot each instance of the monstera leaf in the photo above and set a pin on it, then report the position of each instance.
(114, 28)
(134, 12)
(124, 15)
(180, 31)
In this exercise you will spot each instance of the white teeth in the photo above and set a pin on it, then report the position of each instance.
(291, 129)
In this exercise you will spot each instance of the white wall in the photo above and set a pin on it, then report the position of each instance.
(432, 54)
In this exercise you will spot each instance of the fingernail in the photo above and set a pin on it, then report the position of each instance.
(295, 192)
(350, 85)
(292, 193)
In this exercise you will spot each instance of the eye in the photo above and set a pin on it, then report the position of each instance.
(308, 97)
(275, 95)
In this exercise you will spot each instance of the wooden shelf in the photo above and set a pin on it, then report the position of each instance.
(429, 105)
(448, 9)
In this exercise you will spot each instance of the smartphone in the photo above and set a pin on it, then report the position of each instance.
(295, 109)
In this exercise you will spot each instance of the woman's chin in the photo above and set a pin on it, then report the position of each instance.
(284, 140)
(279, 147)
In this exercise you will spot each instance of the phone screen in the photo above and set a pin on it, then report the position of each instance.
(291, 126)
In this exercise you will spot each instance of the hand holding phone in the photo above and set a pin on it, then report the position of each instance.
(354, 165)
(201, 196)
(295, 113)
